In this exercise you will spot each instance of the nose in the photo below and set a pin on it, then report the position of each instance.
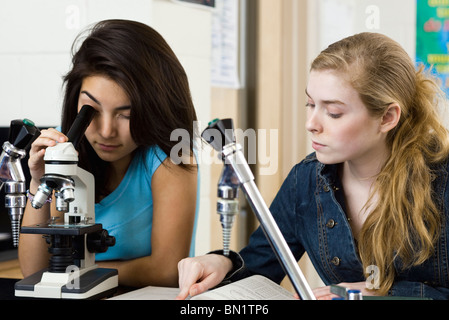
(313, 123)
(106, 126)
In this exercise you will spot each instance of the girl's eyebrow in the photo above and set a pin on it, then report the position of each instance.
(327, 102)
(91, 97)
(307, 93)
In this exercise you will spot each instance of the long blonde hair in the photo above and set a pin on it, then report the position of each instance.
(404, 222)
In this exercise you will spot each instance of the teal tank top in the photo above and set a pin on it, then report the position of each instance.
(127, 213)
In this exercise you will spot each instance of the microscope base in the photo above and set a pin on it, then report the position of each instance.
(94, 284)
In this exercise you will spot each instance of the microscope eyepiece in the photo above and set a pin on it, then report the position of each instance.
(22, 133)
(219, 133)
(80, 124)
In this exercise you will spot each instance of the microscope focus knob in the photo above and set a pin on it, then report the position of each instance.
(100, 241)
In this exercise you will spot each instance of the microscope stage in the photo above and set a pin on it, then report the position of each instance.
(62, 229)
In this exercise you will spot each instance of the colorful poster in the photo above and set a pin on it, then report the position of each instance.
(432, 43)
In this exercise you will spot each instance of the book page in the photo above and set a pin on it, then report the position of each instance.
(149, 293)
(252, 288)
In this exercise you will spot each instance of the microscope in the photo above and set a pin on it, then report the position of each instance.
(21, 134)
(237, 174)
(72, 272)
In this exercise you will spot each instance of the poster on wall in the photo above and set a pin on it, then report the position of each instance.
(226, 68)
(432, 42)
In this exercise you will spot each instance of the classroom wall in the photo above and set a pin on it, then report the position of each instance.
(35, 42)
(336, 19)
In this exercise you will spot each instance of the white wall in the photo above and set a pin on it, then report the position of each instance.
(35, 42)
(336, 19)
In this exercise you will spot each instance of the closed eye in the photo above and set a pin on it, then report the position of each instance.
(124, 116)
(334, 115)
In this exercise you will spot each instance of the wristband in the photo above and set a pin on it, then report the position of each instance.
(237, 262)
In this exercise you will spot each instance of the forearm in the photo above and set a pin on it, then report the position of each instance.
(144, 271)
(32, 251)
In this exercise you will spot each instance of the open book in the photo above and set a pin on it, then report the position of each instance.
(252, 288)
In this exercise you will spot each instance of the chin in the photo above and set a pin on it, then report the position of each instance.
(108, 157)
(327, 159)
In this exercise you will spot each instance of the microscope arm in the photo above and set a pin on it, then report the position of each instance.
(220, 136)
(271, 230)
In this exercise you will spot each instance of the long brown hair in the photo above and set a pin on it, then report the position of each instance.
(138, 58)
(404, 223)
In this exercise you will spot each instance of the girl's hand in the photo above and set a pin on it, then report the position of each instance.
(324, 293)
(197, 275)
(47, 138)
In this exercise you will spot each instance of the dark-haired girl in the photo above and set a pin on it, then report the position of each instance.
(127, 72)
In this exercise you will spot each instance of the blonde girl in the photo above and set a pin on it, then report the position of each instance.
(371, 205)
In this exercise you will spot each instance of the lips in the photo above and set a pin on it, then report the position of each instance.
(107, 147)
(317, 146)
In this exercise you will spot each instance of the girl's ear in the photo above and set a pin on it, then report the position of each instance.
(391, 118)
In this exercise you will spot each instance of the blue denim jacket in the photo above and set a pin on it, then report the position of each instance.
(309, 210)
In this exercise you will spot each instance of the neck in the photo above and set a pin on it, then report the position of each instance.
(119, 167)
(365, 169)
(117, 171)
